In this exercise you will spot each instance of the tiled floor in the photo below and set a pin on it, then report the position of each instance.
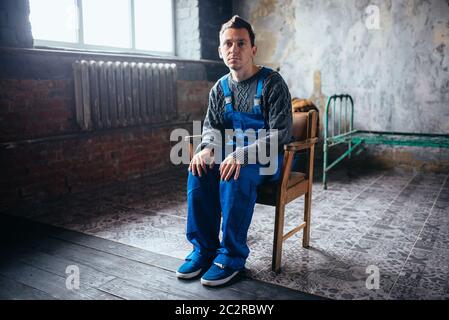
(395, 221)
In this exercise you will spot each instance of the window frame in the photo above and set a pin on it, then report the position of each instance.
(80, 45)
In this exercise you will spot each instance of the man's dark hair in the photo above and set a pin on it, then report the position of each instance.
(238, 23)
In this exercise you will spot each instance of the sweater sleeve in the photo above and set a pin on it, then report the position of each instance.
(211, 133)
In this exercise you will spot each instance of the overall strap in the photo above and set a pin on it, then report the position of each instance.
(227, 93)
(257, 98)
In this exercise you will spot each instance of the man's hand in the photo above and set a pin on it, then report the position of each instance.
(227, 168)
(200, 161)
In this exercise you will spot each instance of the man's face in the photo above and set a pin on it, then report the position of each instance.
(235, 48)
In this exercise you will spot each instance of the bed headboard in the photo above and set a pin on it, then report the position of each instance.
(338, 115)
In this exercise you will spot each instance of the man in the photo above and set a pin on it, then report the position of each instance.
(248, 98)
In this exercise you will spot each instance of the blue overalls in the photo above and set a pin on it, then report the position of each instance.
(208, 198)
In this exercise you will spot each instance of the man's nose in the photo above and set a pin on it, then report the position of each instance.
(234, 47)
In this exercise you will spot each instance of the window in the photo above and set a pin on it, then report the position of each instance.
(119, 25)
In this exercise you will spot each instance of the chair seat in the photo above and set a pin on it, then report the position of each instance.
(267, 192)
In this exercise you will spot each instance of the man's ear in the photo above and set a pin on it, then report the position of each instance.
(254, 50)
(219, 53)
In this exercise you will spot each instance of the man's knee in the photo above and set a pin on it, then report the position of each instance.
(207, 180)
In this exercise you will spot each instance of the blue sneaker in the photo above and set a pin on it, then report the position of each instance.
(218, 274)
(190, 269)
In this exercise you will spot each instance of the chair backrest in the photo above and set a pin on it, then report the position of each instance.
(305, 119)
(299, 125)
(312, 124)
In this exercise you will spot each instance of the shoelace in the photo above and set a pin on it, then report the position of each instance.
(221, 266)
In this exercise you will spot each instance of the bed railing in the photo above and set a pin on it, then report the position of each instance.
(338, 122)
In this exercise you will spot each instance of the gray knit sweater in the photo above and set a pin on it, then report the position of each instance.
(275, 102)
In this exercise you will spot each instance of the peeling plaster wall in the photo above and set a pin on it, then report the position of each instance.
(398, 74)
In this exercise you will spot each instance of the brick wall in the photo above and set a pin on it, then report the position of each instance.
(50, 168)
(15, 28)
(32, 108)
(198, 23)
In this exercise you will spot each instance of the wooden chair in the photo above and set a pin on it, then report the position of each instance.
(292, 184)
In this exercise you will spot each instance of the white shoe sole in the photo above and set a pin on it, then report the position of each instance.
(213, 283)
(188, 275)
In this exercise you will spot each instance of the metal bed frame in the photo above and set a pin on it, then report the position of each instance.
(342, 131)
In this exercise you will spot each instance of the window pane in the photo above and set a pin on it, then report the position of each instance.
(54, 20)
(107, 23)
(154, 25)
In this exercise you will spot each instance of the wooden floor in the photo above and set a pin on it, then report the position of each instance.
(34, 258)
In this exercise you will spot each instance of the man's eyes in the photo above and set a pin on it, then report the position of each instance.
(240, 44)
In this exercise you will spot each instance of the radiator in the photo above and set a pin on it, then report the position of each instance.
(119, 94)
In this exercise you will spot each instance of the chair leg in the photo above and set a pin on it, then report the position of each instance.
(278, 238)
(307, 209)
